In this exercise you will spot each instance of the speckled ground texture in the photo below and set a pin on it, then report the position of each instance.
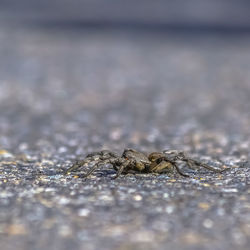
(66, 93)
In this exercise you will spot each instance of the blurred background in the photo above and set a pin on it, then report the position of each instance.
(82, 75)
(140, 70)
(183, 14)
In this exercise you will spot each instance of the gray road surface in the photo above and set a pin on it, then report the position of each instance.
(65, 93)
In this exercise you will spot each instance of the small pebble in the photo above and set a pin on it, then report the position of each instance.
(63, 201)
(207, 223)
(169, 209)
(5, 154)
(204, 205)
(83, 212)
(137, 197)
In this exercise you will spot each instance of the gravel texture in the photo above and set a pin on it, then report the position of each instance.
(66, 93)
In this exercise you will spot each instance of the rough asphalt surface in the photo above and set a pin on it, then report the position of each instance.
(66, 93)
